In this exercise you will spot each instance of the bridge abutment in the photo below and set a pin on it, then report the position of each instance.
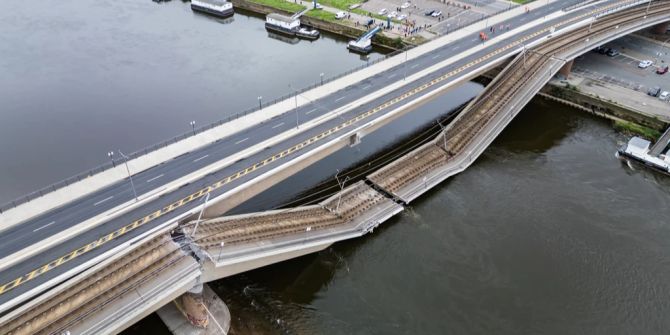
(196, 314)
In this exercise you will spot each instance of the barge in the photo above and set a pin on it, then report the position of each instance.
(638, 150)
(289, 26)
(220, 8)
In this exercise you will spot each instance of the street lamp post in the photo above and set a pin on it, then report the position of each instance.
(341, 184)
(197, 222)
(321, 75)
(405, 64)
(132, 185)
(444, 136)
(295, 96)
(192, 123)
(260, 102)
(221, 250)
(110, 154)
(661, 49)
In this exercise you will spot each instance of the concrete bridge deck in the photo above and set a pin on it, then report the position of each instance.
(246, 162)
(486, 116)
(466, 138)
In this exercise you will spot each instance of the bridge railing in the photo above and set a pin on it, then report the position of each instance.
(144, 151)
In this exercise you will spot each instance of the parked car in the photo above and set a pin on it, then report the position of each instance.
(654, 91)
(392, 15)
(599, 49)
(401, 17)
(662, 70)
(436, 13)
(318, 6)
(664, 95)
(602, 50)
(429, 12)
(645, 64)
(383, 11)
(405, 5)
(340, 15)
(612, 52)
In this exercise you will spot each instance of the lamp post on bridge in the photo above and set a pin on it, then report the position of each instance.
(132, 185)
(192, 123)
(295, 96)
(321, 75)
(110, 154)
(341, 184)
(197, 222)
(444, 136)
(405, 64)
(260, 102)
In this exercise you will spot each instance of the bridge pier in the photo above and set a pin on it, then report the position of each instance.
(566, 69)
(661, 28)
(197, 312)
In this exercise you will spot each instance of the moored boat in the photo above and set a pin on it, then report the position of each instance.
(220, 8)
(307, 33)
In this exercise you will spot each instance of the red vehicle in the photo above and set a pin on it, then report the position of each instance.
(483, 36)
(662, 70)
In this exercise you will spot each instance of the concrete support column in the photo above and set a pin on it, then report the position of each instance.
(661, 28)
(566, 69)
(197, 312)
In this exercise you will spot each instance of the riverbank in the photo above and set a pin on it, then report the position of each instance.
(323, 20)
(624, 118)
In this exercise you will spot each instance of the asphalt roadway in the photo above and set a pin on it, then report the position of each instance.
(39, 228)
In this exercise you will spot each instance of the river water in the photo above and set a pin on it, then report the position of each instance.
(546, 233)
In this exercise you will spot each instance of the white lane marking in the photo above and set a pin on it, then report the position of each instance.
(278, 125)
(310, 112)
(154, 178)
(436, 56)
(413, 66)
(340, 98)
(391, 76)
(46, 225)
(366, 87)
(103, 200)
(242, 140)
(201, 158)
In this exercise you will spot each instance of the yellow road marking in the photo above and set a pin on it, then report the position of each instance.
(137, 223)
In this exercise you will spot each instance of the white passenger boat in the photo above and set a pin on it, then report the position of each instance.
(308, 33)
(220, 8)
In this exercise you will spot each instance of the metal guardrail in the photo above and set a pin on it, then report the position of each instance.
(86, 174)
